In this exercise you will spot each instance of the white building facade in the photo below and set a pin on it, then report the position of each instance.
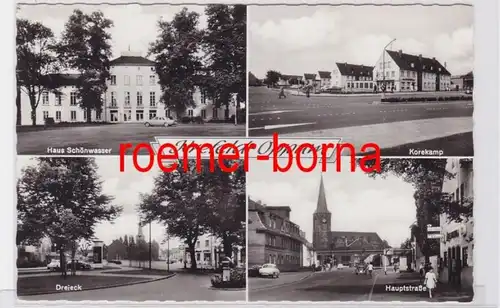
(403, 72)
(207, 250)
(325, 79)
(352, 78)
(457, 239)
(133, 95)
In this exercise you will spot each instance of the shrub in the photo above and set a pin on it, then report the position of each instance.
(186, 120)
(399, 99)
(237, 279)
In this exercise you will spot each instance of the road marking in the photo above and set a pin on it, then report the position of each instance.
(272, 112)
(373, 286)
(267, 127)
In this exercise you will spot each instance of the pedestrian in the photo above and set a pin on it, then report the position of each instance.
(430, 281)
(421, 271)
(308, 91)
(282, 93)
(370, 269)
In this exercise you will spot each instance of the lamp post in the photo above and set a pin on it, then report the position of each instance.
(150, 251)
(383, 66)
(168, 252)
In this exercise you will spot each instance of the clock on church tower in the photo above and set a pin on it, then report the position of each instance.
(321, 221)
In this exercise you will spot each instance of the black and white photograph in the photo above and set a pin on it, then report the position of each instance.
(86, 231)
(402, 234)
(92, 76)
(399, 76)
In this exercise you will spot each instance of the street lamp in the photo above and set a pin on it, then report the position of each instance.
(383, 66)
(168, 252)
(150, 251)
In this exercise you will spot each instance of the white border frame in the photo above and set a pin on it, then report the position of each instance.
(486, 166)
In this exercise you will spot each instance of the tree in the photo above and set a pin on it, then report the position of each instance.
(183, 200)
(86, 47)
(176, 54)
(229, 214)
(272, 77)
(406, 244)
(35, 62)
(224, 43)
(62, 199)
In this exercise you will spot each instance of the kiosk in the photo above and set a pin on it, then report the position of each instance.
(97, 254)
(226, 270)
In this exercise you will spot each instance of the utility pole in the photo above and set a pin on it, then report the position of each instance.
(168, 252)
(383, 67)
(150, 251)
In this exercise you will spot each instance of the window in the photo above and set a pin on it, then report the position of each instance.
(127, 98)
(190, 112)
(366, 85)
(197, 255)
(58, 99)
(113, 99)
(73, 115)
(371, 85)
(58, 116)
(139, 80)
(203, 113)
(113, 80)
(465, 256)
(126, 80)
(85, 114)
(207, 244)
(139, 98)
(214, 113)
(139, 115)
(168, 113)
(45, 98)
(412, 65)
(152, 99)
(198, 244)
(45, 114)
(152, 80)
(393, 73)
(72, 99)
(152, 114)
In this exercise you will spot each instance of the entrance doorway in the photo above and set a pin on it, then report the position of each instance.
(113, 116)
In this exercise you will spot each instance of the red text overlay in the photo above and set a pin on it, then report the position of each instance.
(167, 153)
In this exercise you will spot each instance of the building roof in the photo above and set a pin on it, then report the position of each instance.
(131, 61)
(468, 76)
(325, 74)
(356, 240)
(347, 69)
(309, 76)
(61, 80)
(417, 63)
(288, 77)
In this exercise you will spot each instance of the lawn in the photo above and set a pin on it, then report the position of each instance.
(48, 284)
(155, 272)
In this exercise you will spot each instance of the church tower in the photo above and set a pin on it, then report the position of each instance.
(321, 221)
(140, 235)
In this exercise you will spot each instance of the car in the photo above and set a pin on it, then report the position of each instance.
(340, 266)
(160, 121)
(360, 270)
(254, 271)
(54, 265)
(468, 91)
(80, 265)
(269, 270)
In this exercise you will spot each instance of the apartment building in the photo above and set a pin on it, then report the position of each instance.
(352, 77)
(457, 238)
(399, 71)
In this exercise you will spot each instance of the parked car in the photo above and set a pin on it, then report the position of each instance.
(340, 266)
(360, 269)
(160, 121)
(54, 265)
(79, 265)
(269, 270)
(254, 271)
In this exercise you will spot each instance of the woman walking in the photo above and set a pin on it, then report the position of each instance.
(430, 281)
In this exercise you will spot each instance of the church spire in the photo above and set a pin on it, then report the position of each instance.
(322, 206)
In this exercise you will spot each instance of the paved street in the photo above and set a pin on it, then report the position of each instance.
(110, 136)
(340, 285)
(182, 287)
(357, 120)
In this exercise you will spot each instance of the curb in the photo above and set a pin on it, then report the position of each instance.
(280, 285)
(103, 287)
(228, 289)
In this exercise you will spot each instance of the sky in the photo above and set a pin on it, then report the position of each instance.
(125, 187)
(135, 26)
(304, 39)
(356, 201)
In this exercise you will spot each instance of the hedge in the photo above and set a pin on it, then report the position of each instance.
(237, 279)
(399, 99)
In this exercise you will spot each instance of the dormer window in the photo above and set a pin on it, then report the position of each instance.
(423, 67)
(439, 69)
(412, 65)
(431, 68)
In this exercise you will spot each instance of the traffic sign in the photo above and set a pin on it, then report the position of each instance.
(434, 235)
(433, 229)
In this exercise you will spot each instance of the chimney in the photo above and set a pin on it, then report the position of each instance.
(420, 57)
(400, 53)
(433, 58)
